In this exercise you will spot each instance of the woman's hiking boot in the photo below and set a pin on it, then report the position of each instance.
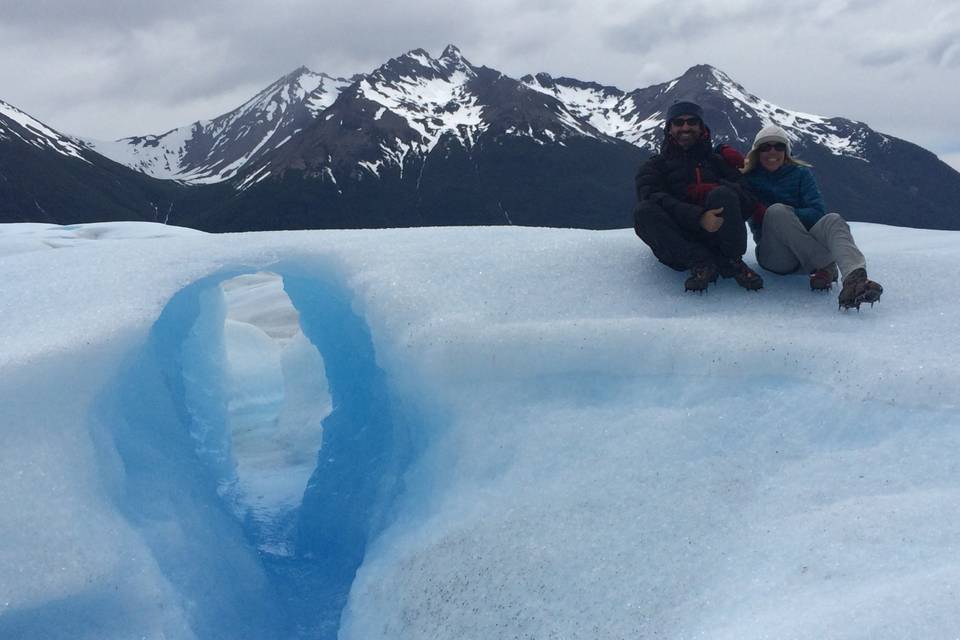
(744, 275)
(701, 275)
(823, 279)
(857, 289)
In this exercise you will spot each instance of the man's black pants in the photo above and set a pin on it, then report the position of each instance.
(680, 248)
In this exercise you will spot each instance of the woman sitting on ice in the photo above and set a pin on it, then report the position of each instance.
(791, 226)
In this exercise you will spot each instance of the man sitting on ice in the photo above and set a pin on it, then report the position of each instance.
(691, 203)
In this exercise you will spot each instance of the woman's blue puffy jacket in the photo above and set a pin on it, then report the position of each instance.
(792, 185)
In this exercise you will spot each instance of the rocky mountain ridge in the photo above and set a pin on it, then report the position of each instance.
(423, 140)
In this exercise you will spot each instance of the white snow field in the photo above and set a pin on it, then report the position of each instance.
(469, 434)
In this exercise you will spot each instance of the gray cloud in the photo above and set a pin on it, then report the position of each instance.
(932, 40)
(945, 51)
(883, 57)
(173, 53)
(57, 16)
(664, 21)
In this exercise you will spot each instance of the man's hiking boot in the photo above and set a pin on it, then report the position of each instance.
(857, 289)
(744, 275)
(701, 275)
(823, 279)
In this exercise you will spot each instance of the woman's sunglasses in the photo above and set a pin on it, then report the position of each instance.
(679, 122)
(767, 146)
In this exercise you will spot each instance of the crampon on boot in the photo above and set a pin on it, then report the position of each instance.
(744, 275)
(823, 279)
(857, 289)
(701, 275)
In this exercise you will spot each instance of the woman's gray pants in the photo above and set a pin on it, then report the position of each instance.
(785, 245)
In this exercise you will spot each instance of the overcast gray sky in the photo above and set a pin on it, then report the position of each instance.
(113, 68)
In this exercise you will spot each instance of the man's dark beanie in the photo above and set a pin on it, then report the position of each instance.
(684, 109)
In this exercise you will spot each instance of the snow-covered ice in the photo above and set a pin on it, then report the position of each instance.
(468, 433)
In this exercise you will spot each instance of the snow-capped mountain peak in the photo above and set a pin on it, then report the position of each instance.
(424, 140)
(411, 106)
(705, 73)
(433, 95)
(452, 56)
(605, 108)
(840, 136)
(733, 113)
(215, 150)
(15, 124)
(419, 62)
(325, 92)
(448, 115)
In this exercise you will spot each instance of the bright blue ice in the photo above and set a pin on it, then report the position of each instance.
(171, 432)
(171, 474)
(596, 453)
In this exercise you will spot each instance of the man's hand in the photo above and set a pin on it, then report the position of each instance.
(712, 220)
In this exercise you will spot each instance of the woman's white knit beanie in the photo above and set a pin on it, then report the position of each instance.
(771, 133)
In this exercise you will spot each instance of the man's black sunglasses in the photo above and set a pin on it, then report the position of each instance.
(779, 146)
(679, 122)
